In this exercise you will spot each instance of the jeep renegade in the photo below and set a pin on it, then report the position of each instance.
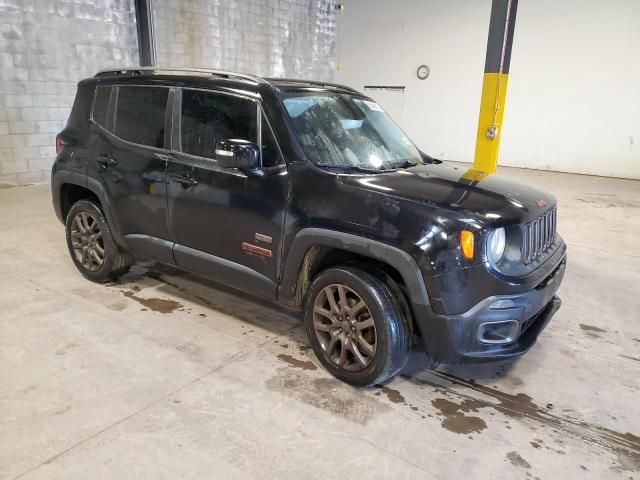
(307, 194)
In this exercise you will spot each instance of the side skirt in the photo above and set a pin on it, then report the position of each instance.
(224, 271)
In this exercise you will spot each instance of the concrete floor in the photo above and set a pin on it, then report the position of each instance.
(166, 376)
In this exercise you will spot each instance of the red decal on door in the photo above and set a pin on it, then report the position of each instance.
(256, 249)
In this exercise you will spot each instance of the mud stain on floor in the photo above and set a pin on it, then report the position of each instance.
(515, 381)
(521, 406)
(591, 328)
(606, 200)
(455, 419)
(630, 358)
(217, 297)
(160, 305)
(190, 348)
(117, 306)
(516, 459)
(155, 275)
(627, 463)
(294, 362)
(62, 410)
(327, 394)
(392, 394)
(66, 349)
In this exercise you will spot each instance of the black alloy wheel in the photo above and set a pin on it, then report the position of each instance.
(87, 241)
(344, 327)
(91, 244)
(356, 325)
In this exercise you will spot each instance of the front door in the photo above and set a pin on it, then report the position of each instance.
(129, 160)
(227, 224)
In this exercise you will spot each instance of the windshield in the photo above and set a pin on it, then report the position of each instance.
(339, 130)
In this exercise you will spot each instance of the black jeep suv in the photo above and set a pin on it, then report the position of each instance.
(308, 194)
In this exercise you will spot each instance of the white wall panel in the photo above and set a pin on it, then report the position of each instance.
(573, 101)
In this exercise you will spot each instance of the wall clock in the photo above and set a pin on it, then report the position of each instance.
(423, 72)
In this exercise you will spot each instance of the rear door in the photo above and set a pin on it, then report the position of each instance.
(227, 223)
(129, 160)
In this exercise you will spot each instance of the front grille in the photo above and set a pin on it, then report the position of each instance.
(539, 235)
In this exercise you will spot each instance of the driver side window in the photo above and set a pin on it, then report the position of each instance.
(208, 117)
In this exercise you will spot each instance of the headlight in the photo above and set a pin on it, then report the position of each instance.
(496, 243)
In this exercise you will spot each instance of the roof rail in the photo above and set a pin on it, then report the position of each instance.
(312, 82)
(173, 70)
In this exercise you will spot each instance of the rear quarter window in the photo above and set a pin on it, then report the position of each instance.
(140, 114)
(100, 105)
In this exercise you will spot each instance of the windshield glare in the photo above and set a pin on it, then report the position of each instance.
(351, 132)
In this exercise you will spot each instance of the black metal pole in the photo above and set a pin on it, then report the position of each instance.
(146, 36)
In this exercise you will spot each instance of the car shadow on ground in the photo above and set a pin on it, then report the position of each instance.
(418, 364)
(184, 287)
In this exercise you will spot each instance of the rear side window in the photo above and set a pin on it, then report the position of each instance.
(140, 114)
(100, 105)
(209, 117)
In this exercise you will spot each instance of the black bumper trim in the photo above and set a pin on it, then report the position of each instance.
(454, 338)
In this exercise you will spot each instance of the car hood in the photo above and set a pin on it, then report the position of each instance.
(492, 198)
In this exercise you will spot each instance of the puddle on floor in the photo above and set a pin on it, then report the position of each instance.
(160, 305)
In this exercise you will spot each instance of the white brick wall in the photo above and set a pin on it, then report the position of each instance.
(283, 38)
(46, 47)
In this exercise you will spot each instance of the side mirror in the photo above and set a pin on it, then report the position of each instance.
(242, 154)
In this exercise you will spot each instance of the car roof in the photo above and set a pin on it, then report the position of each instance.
(205, 76)
(295, 84)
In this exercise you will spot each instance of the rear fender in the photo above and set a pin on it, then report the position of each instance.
(63, 177)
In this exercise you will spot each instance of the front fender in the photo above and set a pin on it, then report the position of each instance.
(318, 237)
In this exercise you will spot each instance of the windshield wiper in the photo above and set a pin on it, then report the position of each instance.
(405, 164)
(352, 168)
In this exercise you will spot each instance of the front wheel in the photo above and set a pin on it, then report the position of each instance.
(356, 326)
(91, 245)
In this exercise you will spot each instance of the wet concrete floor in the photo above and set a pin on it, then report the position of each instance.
(164, 375)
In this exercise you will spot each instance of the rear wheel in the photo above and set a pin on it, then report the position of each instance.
(356, 326)
(91, 245)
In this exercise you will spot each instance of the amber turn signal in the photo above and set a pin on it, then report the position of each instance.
(466, 243)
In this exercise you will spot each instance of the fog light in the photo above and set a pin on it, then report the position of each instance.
(498, 332)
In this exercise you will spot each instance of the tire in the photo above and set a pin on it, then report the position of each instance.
(87, 230)
(330, 327)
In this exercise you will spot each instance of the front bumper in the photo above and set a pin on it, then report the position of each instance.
(463, 338)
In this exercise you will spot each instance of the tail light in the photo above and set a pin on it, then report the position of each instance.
(58, 144)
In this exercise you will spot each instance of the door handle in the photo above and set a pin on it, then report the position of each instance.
(106, 161)
(182, 180)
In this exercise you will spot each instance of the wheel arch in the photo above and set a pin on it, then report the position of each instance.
(69, 187)
(70, 193)
(314, 249)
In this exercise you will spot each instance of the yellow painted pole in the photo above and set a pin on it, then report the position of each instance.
(494, 85)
